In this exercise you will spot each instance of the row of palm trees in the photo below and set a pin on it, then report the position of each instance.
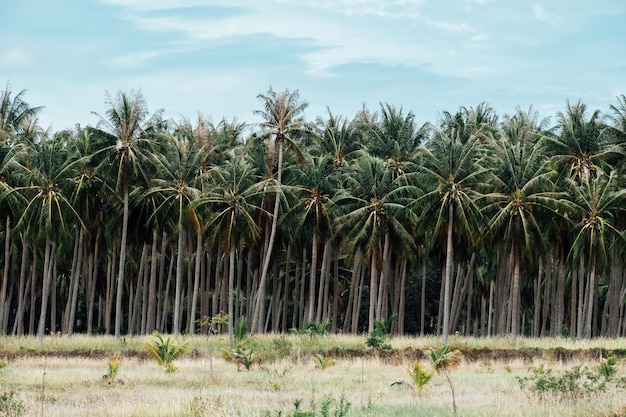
(478, 224)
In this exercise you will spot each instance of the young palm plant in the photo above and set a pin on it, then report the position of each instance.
(445, 361)
(165, 350)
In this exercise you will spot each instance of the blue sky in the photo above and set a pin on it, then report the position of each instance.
(216, 56)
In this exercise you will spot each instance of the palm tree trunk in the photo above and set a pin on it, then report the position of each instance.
(515, 292)
(152, 286)
(76, 279)
(448, 279)
(196, 284)
(179, 281)
(19, 315)
(423, 295)
(5, 277)
(313, 277)
(231, 291)
(50, 249)
(259, 317)
(119, 313)
(591, 290)
(374, 276)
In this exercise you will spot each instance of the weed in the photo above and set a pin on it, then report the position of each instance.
(323, 362)
(318, 329)
(378, 338)
(11, 406)
(165, 350)
(607, 368)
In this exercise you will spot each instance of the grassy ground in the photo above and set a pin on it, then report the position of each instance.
(67, 379)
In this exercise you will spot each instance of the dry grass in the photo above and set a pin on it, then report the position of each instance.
(206, 385)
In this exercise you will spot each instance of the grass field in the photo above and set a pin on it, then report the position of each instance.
(64, 377)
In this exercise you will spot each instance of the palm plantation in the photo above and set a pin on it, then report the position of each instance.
(487, 224)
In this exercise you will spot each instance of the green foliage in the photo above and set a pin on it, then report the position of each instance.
(318, 329)
(112, 369)
(165, 350)
(420, 376)
(445, 361)
(579, 382)
(11, 406)
(215, 323)
(378, 338)
(607, 368)
(277, 378)
(323, 362)
(241, 356)
(240, 329)
(3, 364)
(328, 407)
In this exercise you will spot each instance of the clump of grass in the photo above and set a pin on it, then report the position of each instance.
(165, 350)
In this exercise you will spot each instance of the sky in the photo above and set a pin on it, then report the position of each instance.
(214, 57)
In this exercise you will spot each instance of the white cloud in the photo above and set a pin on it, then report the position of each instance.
(544, 16)
(16, 59)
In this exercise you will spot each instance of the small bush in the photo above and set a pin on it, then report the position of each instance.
(323, 362)
(11, 406)
(241, 356)
(579, 382)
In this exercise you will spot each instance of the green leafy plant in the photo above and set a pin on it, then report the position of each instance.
(318, 329)
(323, 362)
(444, 362)
(165, 350)
(112, 369)
(379, 337)
(420, 376)
(240, 329)
(579, 382)
(11, 406)
(241, 356)
(607, 368)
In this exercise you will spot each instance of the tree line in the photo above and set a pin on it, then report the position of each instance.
(478, 224)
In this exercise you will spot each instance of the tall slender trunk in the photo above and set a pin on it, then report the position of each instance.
(231, 291)
(313, 277)
(374, 276)
(50, 250)
(179, 281)
(515, 292)
(591, 289)
(76, 280)
(19, 315)
(423, 295)
(196, 284)
(448, 279)
(119, 313)
(152, 286)
(5, 278)
(258, 317)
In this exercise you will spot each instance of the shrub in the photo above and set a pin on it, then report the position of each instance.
(241, 356)
(420, 376)
(11, 406)
(323, 362)
(579, 382)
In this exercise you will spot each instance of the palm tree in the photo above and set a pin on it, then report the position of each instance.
(46, 172)
(599, 201)
(374, 205)
(232, 219)
(15, 114)
(337, 137)
(316, 185)
(176, 190)
(451, 174)
(283, 125)
(123, 125)
(524, 196)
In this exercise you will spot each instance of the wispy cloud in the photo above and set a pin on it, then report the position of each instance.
(16, 59)
(542, 15)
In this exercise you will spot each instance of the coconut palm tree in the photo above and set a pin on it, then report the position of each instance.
(451, 175)
(599, 202)
(46, 171)
(282, 127)
(231, 202)
(125, 125)
(523, 196)
(373, 205)
(15, 114)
